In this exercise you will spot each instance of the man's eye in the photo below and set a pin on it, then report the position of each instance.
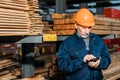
(89, 27)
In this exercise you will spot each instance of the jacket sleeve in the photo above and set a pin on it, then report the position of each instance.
(65, 63)
(105, 58)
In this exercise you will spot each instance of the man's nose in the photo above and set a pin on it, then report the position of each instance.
(87, 30)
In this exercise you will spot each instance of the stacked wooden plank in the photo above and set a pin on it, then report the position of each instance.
(8, 77)
(13, 19)
(48, 28)
(37, 77)
(64, 24)
(113, 71)
(105, 25)
(36, 20)
(20, 18)
(7, 67)
(43, 53)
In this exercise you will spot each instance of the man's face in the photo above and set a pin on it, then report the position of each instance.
(83, 31)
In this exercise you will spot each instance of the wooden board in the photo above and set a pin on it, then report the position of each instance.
(19, 18)
(113, 71)
(63, 23)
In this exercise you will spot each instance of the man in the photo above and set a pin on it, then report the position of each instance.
(83, 55)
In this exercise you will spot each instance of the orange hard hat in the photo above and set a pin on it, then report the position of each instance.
(84, 17)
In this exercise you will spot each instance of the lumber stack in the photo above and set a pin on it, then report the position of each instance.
(105, 25)
(37, 77)
(8, 77)
(36, 22)
(113, 71)
(8, 68)
(20, 18)
(13, 19)
(5, 63)
(64, 24)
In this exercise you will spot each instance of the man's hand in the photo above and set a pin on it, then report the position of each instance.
(94, 64)
(88, 57)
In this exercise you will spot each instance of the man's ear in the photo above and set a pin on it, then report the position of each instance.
(76, 26)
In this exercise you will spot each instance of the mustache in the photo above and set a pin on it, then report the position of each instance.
(87, 33)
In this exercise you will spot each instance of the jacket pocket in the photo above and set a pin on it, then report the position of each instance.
(77, 53)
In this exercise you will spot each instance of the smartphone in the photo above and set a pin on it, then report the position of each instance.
(93, 60)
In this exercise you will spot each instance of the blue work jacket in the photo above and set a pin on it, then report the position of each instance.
(71, 53)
